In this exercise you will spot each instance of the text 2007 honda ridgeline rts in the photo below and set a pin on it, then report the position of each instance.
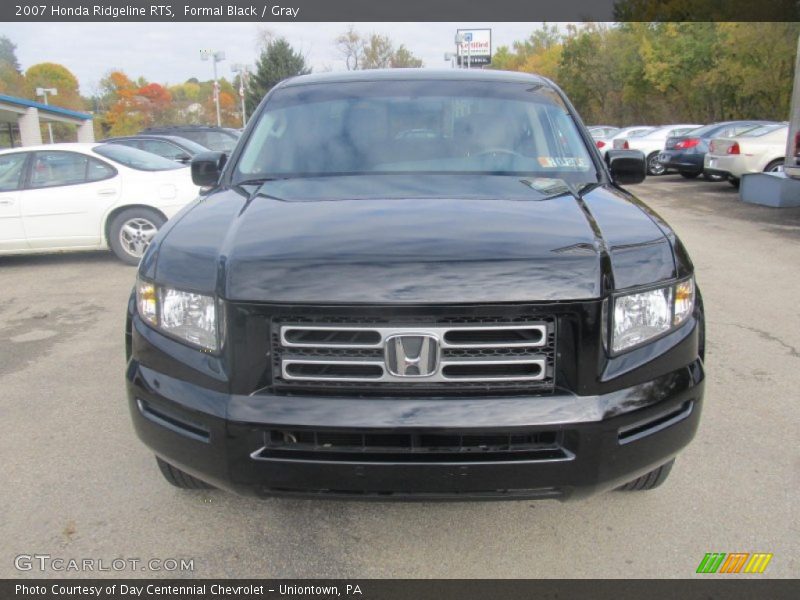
(416, 284)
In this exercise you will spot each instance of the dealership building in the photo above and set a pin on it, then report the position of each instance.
(26, 117)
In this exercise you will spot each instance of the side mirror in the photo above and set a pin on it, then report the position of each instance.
(183, 158)
(626, 166)
(207, 167)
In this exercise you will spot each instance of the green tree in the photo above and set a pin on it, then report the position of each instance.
(404, 59)
(754, 77)
(8, 54)
(278, 61)
(378, 52)
(541, 50)
(586, 71)
(653, 72)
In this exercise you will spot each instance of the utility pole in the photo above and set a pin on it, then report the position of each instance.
(215, 56)
(244, 72)
(43, 92)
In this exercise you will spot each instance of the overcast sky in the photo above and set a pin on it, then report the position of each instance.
(169, 52)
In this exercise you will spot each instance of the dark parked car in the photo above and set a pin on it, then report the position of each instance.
(686, 153)
(221, 139)
(169, 146)
(356, 309)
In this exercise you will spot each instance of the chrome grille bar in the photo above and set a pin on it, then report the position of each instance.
(464, 353)
(339, 370)
(519, 336)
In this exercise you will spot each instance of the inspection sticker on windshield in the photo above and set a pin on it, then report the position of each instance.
(553, 162)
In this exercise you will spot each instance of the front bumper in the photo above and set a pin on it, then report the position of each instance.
(604, 440)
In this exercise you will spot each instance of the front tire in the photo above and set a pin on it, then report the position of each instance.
(653, 166)
(649, 481)
(131, 231)
(689, 174)
(180, 479)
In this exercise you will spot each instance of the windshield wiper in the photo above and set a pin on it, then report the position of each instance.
(259, 180)
(554, 188)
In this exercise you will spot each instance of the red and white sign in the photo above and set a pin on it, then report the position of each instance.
(476, 47)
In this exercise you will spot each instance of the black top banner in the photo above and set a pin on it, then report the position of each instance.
(409, 10)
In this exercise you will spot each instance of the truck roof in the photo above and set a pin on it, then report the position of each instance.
(416, 75)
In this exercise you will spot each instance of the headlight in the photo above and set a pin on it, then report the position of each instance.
(185, 315)
(642, 316)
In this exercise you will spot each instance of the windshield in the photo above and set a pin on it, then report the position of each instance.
(461, 127)
(136, 159)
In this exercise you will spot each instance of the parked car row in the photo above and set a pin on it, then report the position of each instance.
(64, 197)
(181, 142)
(762, 149)
(686, 153)
(114, 194)
(717, 151)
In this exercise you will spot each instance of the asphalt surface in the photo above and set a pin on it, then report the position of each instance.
(78, 484)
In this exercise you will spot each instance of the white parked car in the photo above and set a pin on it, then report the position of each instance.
(652, 144)
(604, 144)
(64, 197)
(754, 151)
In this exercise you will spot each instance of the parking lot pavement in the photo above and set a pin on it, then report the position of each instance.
(78, 484)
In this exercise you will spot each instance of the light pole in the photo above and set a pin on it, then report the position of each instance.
(215, 56)
(459, 43)
(43, 92)
(244, 72)
(451, 58)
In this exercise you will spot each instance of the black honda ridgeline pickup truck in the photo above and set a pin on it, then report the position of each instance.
(418, 285)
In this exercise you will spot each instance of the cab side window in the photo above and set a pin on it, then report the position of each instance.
(51, 169)
(97, 170)
(12, 167)
(58, 168)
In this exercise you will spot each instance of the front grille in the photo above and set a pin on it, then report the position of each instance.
(411, 447)
(460, 354)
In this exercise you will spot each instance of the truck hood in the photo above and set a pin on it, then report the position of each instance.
(326, 242)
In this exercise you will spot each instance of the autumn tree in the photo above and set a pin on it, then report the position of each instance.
(373, 52)
(117, 96)
(53, 75)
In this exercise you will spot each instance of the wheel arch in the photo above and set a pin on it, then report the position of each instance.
(118, 209)
(770, 161)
